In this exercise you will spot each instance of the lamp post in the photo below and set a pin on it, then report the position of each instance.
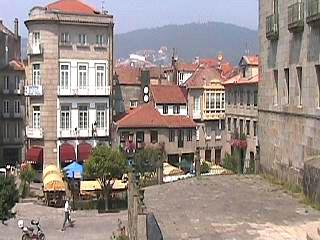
(94, 132)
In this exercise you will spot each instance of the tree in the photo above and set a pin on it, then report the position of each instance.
(106, 165)
(27, 175)
(9, 196)
(147, 160)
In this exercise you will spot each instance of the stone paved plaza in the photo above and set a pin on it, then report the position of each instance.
(88, 224)
(229, 207)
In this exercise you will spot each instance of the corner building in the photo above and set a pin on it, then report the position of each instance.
(68, 82)
(289, 91)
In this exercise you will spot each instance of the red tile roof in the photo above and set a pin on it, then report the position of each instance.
(251, 60)
(128, 75)
(14, 65)
(147, 116)
(72, 6)
(238, 80)
(185, 67)
(169, 94)
(203, 77)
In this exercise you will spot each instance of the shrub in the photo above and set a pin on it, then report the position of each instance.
(27, 175)
(9, 196)
(204, 168)
(230, 162)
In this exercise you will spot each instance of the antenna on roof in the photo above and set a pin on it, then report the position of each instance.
(103, 11)
(247, 50)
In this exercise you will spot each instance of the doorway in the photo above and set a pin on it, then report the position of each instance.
(207, 155)
(218, 156)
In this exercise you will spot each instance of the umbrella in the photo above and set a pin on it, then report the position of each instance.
(74, 170)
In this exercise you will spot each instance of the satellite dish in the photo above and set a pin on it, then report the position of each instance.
(220, 57)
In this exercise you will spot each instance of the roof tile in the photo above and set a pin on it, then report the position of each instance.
(169, 94)
(72, 6)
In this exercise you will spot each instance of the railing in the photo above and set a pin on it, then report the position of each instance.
(35, 49)
(33, 90)
(296, 16)
(34, 132)
(88, 91)
(272, 27)
(213, 114)
(313, 14)
(71, 133)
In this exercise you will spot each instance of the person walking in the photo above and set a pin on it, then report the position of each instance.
(67, 210)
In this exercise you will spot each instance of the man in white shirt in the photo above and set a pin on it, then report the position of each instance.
(67, 211)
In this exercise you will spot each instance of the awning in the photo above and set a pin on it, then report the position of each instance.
(84, 151)
(74, 170)
(34, 155)
(67, 153)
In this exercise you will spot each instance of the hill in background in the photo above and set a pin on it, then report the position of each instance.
(191, 40)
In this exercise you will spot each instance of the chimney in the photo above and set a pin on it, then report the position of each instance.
(16, 27)
(1, 23)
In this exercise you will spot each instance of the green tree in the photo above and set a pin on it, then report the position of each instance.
(147, 160)
(26, 176)
(9, 196)
(105, 165)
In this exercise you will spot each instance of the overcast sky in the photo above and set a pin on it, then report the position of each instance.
(136, 14)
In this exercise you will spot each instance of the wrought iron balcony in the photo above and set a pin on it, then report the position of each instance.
(313, 13)
(296, 17)
(272, 27)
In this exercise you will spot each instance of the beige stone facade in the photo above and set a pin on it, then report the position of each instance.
(289, 92)
(69, 54)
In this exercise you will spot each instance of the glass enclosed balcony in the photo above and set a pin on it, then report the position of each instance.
(272, 27)
(296, 17)
(313, 13)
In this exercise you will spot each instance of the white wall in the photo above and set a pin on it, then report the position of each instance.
(183, 110)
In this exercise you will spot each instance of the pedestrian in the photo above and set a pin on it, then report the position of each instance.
(67, 210)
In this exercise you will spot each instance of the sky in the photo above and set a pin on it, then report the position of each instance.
(131, 15)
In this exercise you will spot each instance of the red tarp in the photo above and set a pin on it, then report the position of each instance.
(34, 155)
(67, 153)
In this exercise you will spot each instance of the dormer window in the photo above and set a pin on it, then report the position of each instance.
(176, 109)
(165, 109)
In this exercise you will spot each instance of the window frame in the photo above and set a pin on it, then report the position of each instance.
(165, 109)
(189, 134)
(17, 106)
(100, 76)
(101, 116)
(154, 138)
(64, 37)
(83, 116)
(36, 74)
(36, 117)
(172, 135)
(248, 122)
(65, 75)
(83, 82)
(176, 109)
(83, 39)
(65, 117)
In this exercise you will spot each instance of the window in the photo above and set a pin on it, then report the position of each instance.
(64, 38)
(165, 109)
(64, 76)
(248, 98)
(176, 109)
(154, 136)
(287, 81)
(207, 100)
(180, 138)
(6, 131)
(83, 39)
(222, 101)
(255, 98)
(181, 76)
(228, 97)
(36, 38)
(83, 117)
(189, 135)
(36, 76)
(6, 83)
(100, 76)
(16, 82)
(241, 126)
(83, 76)
(243, 70)
(101, 112)
(36, 117)
(140, 139)
(234, 124)
(99, 40)
(65, 117)
(172, 135)
(17, 107)
(212, 100)
(276, 86)
(197, 104)
(5, 107)
(17, 134)
(299, 76)
(248, 127)
(235, 98)
(241, 97)
(218, 101)
(255, 128)
(208, 132)
(229, 124)
(133, 103)
(318, 81)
